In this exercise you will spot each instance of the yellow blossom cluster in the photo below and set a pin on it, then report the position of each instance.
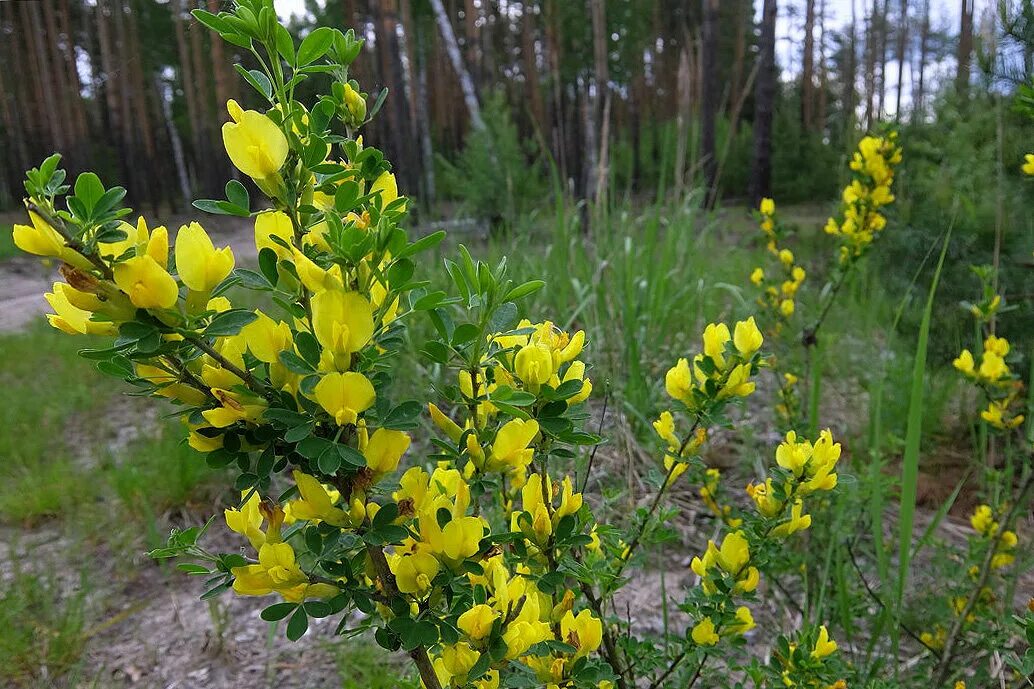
(806, 468)
(987, 528)
(860, 219)
(718, 375)
(783, 281)
(999, 383)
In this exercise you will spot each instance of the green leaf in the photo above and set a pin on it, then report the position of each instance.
(315, 45)
(278, 611)
(403, 416)
(422, 244)
(284, 43)
(298, 624)
(346, 196)
(910, 459)
(212, 21)
(524, 290)
(329, 462)
(229, 322)
(89, 190)
(237, 194)
(267, 264)
(258, 81)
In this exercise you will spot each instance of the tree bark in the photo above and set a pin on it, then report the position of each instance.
(918, 109)
(709, 100)
(41, 75)
(597, 169)
(529, 65)
(965, 48)
(808, 68)
(902, 45)
(764, 107)
(452, 49)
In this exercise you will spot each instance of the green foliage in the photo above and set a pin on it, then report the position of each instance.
(43, 628)
(496, 176)
(955, 174)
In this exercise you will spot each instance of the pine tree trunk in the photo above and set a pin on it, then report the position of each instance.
(709, 100)
(739, 55)
(682, 116)
(881, 94)
(764, 107)
(41, 76)
(918, 109)
(529, 65)
(598, 170)
(850, 78)
(452, 49)
(808, 68)
(823, 105)
(870, 65)
(186, 80)
(965, 51)
(902, 45)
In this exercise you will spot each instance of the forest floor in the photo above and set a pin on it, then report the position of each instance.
(142, 623)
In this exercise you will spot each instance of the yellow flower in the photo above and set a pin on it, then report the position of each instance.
(665, 427)
(414, 571)
(716, 335)
(767, 206)
(449, 427)
(342, 322)
(983, 521)
(964, 363)
(41, 239)
(147, 284)
(534, 364)
(704, 634)
(315, 503)
(738, 384)
(511, 444)
(477, 622)
(824, 646)
(998, 345)
(757, 276)
(386, 186)
(255, 144)
(384, 450)
(993, 367)
(266, 338)
(734, 554)
(584, 632)
(345, 395)
(272, 224)
(522, 635)
(747, 337)
(786, 257)
(744, 621)
(71, 319)
(786, 307)
(199, 264)
(796, 522)
(168, 385)
(459, 658)
(247, 519)
(678, 381)
(1028, 164)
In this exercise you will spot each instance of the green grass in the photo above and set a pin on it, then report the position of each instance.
(7, 247)
(43, 630)
(362, 664)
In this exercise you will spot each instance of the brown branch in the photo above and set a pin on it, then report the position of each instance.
(387, 579)
(71, 242)
(246, 376)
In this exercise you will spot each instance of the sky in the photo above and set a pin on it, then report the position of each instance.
(790, 25)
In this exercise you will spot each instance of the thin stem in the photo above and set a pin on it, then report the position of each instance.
(72, 242)
(696, 674)
(387, 579)
(948, 655)
(246, 376)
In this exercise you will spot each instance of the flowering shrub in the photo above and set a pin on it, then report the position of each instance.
(472, 549)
